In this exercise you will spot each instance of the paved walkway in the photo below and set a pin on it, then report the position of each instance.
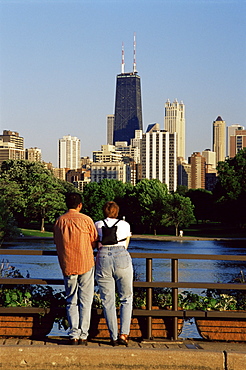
(55, 353)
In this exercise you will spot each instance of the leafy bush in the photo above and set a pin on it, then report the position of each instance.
(25, 295)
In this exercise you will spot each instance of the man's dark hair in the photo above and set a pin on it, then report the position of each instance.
(73, 200)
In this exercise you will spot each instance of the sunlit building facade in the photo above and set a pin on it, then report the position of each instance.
(159, 157)
(219, 139)
(69, 152)
(175, 122)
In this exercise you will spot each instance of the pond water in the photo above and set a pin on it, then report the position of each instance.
(189, 270)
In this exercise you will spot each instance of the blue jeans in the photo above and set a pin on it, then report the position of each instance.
(79, 291)
(114, 265)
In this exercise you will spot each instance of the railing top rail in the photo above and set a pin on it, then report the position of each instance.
(34, 281)
(137, 284)
(36, 252)
(28, 252)
(189, 256)
(187, 284)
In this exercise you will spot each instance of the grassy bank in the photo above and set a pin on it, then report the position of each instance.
(36, 233)
(214, 230)
(206, 230)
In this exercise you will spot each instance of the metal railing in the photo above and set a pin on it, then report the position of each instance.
(149, 284)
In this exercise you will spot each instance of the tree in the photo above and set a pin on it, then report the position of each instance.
(230, 190)
(92, 201)
(204, 203)
(45, 201)
(7, 223)
(31, 192)
(11, 198)
(95, 195)
(178, 212)
(182, 190)
(146, 204)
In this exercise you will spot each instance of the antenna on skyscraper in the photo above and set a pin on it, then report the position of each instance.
(122, 59)
(134, 54)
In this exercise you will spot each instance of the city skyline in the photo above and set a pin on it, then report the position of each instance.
(59, 61)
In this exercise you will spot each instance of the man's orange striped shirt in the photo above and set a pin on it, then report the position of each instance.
(75, 237)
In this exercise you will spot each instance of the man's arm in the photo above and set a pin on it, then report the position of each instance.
(94, 236)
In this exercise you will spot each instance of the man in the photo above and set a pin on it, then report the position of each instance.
(75, 237)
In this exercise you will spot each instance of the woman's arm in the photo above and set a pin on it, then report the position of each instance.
(127, 241)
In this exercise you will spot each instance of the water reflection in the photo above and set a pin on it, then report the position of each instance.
(192, 270)
(189, 270)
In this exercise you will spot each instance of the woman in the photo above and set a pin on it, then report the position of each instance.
(114, 266)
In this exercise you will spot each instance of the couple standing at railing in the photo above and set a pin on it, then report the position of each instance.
(76, 236)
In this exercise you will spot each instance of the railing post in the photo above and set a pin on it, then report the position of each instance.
(175, 297)
(149, 296)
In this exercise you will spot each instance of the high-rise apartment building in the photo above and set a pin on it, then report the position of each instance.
(128, 103)
(136, 141)
(11, 146)
(128, 151)
(158, 157)
(110, 170)
(108, 153)
(219, 139)
(231, 130)
(8, 151)
(210, 169)
(114, 162)
(33, 154)
(110, 129)
(60, 173)
(184, 172)
(237, 142)
(175, 122)
(13, 137)
(197, 162)
(210, 157)
(69, 152)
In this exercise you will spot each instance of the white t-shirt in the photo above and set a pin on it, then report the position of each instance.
(123, 229)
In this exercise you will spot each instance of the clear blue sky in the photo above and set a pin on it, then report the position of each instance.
(59, 61)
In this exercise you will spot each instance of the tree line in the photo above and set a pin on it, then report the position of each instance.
(31, 193)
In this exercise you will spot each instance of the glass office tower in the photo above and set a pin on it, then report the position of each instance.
(128, 107)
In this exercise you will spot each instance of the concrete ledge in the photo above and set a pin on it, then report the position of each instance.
(235, 361)
(74, 358)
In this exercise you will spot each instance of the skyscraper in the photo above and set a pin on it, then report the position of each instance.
(69, 152)
(110, 129)
(175, 122)
(219, 139)
(128, 103)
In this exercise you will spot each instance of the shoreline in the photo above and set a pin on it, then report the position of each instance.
(180, 238)
(134, 237)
